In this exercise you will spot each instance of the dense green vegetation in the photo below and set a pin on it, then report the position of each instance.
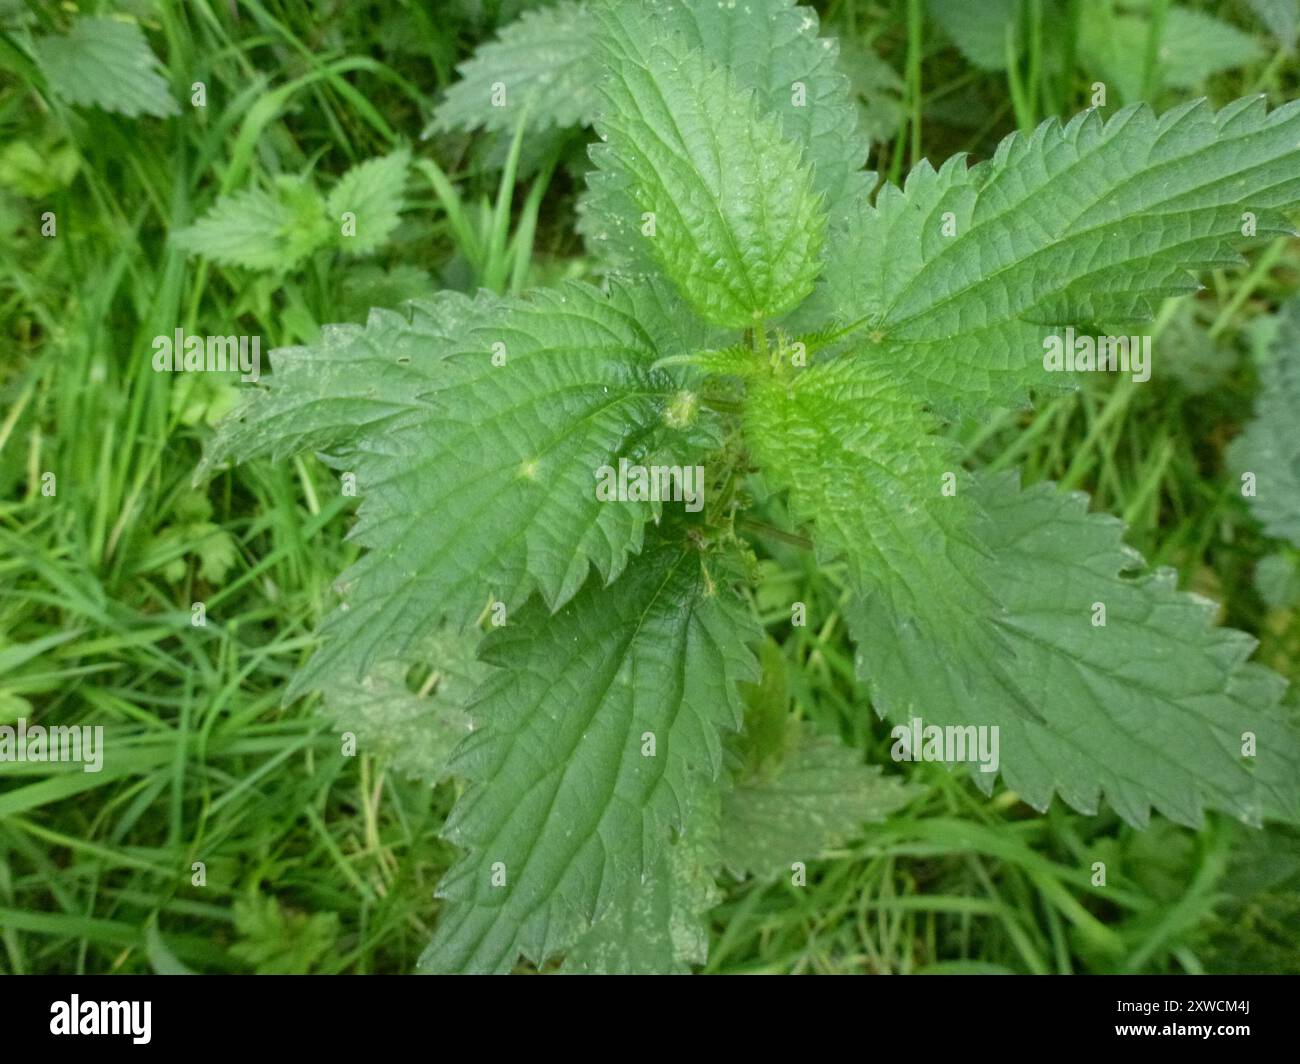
(218, 218)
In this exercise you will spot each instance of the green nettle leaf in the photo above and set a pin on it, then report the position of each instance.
(762, 316)
(569, 805)
(1193, 48)
(771, 47)
(956, 280)
(107, 63)
(878, 89)
(276, 230)
(795, 810)
(1196, 46)
(1139, 696)
(544, 64)
(546, 68)
(1282, 17)
(658, 925)
(1266, 457)
(723, 201)
(986, 33)
(1277, 579)
(883, 493)
(260, 230)
(368, 285)
(500, 452)
(349, 385)
(366, 203)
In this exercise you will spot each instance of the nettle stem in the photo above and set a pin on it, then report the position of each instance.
(762, 528)
(723, 406)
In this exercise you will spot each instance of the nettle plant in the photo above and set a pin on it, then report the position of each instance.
(772, 318)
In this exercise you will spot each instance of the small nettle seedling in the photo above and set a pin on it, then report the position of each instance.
(275, 230)
(777, 318)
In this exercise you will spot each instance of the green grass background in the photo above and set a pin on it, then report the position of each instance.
(320, 863)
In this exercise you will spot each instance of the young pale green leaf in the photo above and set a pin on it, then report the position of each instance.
(545, 64)
(486, 489)
(569, 804)
(794, 810)
(366, 203)
(771, 48)
(1266, 456)
(724, 204)
(107, 63)
(882, 493)
(958, 278)
(1140, 698)
(260, 230)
